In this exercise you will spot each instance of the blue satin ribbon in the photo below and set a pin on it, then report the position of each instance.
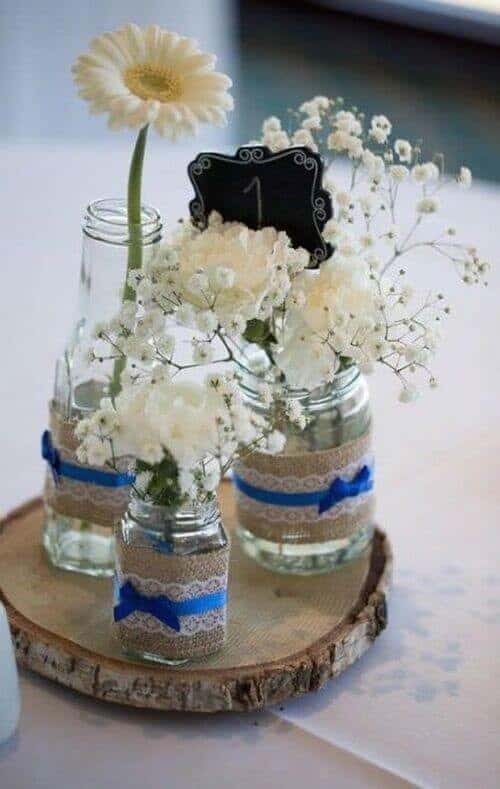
(166, 610)
(338, 490)
(341, 489)
(60, 468)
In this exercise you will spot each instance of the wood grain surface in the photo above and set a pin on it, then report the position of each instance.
(287, 635)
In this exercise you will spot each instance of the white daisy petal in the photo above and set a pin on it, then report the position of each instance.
(106, 47)
(119, 40)
(182, 48)
(133, 38)
(154, 42)
(199, 63)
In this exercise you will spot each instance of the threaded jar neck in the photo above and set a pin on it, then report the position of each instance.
(107, 221)
(166, 520)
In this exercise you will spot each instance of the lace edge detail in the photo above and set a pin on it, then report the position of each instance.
(311, 483)
(175, 591)
(190, 625)
(268, 512)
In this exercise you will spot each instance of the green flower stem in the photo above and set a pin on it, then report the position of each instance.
(135, 237)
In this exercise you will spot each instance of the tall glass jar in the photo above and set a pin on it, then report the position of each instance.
(171, 582)
(78, 527)
(310, 509)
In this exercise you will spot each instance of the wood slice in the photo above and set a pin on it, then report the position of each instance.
(287, 635)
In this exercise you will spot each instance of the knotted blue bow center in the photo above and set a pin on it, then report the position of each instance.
(342, 489)
(166, 610)
(130, 600)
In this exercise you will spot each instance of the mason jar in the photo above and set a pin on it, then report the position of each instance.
(80, 511)
(171, 581)
(310, 508)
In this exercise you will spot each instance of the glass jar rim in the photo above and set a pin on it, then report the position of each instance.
(342, 382)
(154, 517)
(106, 220)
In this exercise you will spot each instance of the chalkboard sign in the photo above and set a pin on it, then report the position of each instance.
(261, 189)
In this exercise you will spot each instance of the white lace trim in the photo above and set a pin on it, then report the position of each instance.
(152, 587)
(83, 492)
(190, 624)
(276, 514)
(308, 484)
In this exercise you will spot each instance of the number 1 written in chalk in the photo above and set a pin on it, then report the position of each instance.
(255, 183)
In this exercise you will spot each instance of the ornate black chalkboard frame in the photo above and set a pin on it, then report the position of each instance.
(261, 188)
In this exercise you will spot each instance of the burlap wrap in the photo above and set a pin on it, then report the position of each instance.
(304, 473)
(154, 573)
(86, 501)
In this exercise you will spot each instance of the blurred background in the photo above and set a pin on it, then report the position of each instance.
(431, 64)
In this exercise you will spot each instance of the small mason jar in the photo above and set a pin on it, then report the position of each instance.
(310, 508)
(78, 531)
(171, 582)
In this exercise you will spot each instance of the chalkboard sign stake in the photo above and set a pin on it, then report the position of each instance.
(263, 189)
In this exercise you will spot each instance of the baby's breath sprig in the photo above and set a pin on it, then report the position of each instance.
(356, 308)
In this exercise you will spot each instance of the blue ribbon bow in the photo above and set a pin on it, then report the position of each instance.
(338, 490)
(166, 610)
(60, 468)
(341, 489)
(51, 455)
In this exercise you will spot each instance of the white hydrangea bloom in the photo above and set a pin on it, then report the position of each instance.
(224, 277)
(374, 164)
(241, 268)
(276, 141)
(403, 150)
(427, 205)
(380, 128)
(422, 173)
(366, 210)
(271, 125)
(354, 147)
(305, 138)
(347, 122)
(369, 204)
(312, 338)
(315, 106)
(312, 123)
(398, 173)
(332, 230)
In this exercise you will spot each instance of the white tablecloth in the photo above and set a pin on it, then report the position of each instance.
(422, 707)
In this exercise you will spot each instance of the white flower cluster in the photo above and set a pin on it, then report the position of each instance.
(230, 285)
(330, 312)
(358, 306)
(200, 427)
(228, 274)
(212, 282)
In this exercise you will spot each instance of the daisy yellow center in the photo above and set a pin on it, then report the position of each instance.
(150, 81)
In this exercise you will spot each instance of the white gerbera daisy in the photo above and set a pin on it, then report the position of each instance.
(153, 76)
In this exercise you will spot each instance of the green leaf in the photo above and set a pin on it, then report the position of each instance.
(163, 488)
(259, 332)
